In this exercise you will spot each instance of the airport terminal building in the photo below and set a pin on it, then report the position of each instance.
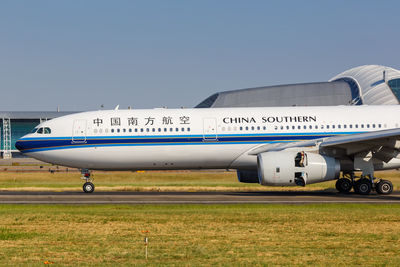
(364, 85)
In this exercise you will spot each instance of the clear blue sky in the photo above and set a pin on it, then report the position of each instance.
(81, 54)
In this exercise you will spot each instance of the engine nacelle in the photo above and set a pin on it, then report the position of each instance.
(296, 168)
(245, 176)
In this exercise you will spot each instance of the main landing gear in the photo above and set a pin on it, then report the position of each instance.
(88, 187)
(363, 185)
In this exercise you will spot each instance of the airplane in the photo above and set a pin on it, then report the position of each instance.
(275, 146)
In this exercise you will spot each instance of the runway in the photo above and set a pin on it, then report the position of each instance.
(266, 197)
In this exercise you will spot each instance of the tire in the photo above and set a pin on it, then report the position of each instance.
(363, 186)
(88, 187)
(343, 185)
(384, 187)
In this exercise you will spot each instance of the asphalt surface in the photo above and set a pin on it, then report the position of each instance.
(265, 197)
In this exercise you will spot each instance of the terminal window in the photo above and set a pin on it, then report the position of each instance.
(395, 87)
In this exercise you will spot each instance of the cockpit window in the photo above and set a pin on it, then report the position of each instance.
(45, 130)
(395, 86)
(34, 130)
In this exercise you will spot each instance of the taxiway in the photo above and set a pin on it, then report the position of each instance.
(266, 197)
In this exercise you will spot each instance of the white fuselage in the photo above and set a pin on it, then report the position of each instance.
(192, 138)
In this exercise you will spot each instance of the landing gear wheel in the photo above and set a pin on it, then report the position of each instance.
(384, 187)
(363, 186)
(343, 185)
(88, 187)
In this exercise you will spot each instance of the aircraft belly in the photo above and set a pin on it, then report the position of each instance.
(146, 157)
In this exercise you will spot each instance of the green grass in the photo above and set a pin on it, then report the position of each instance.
(200, 235)
(151, 180)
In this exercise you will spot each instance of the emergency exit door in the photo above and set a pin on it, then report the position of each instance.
(79, 131)
(210, 129)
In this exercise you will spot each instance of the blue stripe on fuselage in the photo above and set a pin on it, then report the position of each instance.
(52, 143)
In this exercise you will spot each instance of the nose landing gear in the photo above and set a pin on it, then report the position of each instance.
(88, 187)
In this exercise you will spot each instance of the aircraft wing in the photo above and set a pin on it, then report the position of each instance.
(350, 143)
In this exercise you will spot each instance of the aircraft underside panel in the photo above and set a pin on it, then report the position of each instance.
(148, 158)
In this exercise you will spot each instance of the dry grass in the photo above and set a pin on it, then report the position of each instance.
(200, 235)
(151, 181)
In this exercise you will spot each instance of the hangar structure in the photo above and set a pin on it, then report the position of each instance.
(364, 85)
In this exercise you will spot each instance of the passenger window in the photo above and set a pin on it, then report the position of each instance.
(305, 127)
(327, 126)
(379, 125)
(247, 128)
(356, 126)
(100, 130)
(147, 129)
(293, 127)
(130, 130)
(344, 126)
(176, 129)
(183, 129)
(95, 131)
(188, 129)
(351, 125)
(258, 128)
(135, 130)
(112, 130)
(299, 127)
(118, 130)
(333, 126)
(124, 130)
(265, 128)
(281, 127)
(252, 128)
(373, 125)
(339, 126)
(316, 127)
(367, 125)
(241, 128)
(159, 129)
(154, 129)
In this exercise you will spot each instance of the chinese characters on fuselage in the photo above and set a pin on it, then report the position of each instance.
(146, 121)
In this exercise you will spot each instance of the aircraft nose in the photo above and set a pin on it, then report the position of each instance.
(20, 145)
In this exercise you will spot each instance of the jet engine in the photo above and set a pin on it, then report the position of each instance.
(296, 168)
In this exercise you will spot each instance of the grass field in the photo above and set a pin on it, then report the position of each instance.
(200, 235)
(151, 181)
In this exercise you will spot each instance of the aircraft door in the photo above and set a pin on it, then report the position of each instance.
(79, 131)
(209, 129)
